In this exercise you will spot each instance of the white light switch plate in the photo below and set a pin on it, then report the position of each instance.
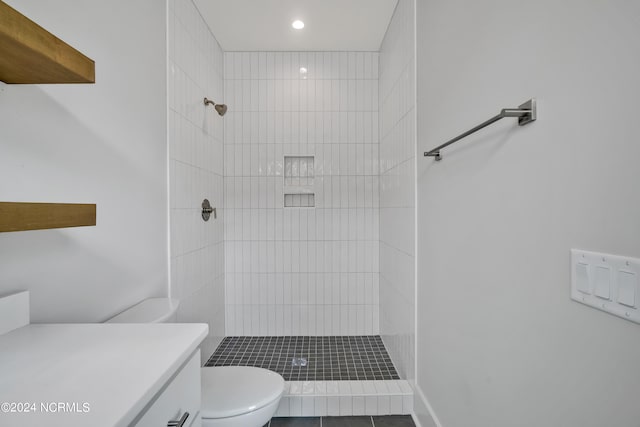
(606, 282)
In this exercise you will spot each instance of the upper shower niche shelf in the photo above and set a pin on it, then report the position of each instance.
(29, 54)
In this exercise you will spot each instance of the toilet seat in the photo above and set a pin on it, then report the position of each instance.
(230, 391)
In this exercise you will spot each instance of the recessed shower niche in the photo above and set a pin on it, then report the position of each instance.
(299, 179)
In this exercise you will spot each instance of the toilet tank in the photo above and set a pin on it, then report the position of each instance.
(152, 310)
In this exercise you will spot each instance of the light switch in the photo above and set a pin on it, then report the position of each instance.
(606, 282)
(602, 279)
(627, 285)
(582, 278)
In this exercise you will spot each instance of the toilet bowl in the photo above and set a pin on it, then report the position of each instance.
(239, 396)
(232, 396)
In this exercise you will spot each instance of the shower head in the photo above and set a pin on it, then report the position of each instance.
(220, 108)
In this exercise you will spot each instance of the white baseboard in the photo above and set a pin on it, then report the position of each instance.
(423, 414)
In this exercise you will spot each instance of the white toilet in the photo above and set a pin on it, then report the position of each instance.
(232, 396)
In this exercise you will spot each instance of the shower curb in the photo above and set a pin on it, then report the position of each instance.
(344, 398)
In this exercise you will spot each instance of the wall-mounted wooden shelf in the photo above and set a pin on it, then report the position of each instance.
(29, 54)
(41, 216)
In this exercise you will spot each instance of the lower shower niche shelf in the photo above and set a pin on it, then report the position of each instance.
(299, 200)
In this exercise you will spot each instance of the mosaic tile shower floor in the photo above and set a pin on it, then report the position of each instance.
(327, 358)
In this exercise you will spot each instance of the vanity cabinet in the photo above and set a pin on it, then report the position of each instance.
(180, 396)
(128, 374)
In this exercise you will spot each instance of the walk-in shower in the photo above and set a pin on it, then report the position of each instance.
(310, 172)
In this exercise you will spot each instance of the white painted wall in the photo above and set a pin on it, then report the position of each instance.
(195, 170)
(499, 342)
(102, 143)
(301, 271)
(397, 189)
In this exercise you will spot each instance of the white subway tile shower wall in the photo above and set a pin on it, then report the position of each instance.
(196, 172)
(308, 271)
(397, 188)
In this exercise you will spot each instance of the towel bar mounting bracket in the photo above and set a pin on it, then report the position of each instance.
(530, 114)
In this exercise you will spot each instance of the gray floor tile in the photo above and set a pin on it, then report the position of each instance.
(296, 422)
(394, 421)
(346, 422)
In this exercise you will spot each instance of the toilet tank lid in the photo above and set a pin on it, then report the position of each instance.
(151, 310)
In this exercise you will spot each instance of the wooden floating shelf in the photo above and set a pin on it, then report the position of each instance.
(29, 54)
(41, 216)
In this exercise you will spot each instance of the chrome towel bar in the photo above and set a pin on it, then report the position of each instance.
(526, 113)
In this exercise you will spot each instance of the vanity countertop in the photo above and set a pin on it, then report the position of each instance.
(104, 374)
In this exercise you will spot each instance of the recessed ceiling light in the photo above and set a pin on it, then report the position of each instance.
(297, 24)
(303, 70)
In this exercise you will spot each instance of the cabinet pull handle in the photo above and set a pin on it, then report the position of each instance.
(180, 422)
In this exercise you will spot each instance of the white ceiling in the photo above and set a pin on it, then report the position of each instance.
(252, 25)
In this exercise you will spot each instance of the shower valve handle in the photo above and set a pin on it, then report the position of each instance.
(207, 210)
